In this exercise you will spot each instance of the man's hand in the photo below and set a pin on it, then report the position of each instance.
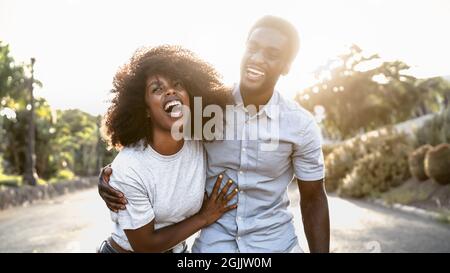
(316, 221)
(115, 200)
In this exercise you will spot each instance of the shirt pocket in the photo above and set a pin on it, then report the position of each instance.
(273, 158)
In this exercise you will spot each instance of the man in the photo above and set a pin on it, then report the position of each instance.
(262, 222)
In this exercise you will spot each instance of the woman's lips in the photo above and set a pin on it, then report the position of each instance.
(174, 108)
(177, 111)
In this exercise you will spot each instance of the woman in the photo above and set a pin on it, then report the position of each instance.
(163, 179)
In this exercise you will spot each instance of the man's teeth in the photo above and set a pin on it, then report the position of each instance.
(255, 71)
(171, 103)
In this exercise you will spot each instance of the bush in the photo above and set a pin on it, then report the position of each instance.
(416, 162)
(436, 130)
(63, 175)
(375, 173)
(348, 164)
(1, 163)
(437, 164)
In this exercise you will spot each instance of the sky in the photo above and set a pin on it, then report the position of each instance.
(79, 44)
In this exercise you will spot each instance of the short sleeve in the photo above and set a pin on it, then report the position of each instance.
(139, 210)
(307, 156)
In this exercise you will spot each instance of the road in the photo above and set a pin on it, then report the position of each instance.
(78, 222)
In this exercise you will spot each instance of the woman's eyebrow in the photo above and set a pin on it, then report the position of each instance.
(154, 82)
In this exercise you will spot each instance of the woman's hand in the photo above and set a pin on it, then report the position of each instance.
(216, 205)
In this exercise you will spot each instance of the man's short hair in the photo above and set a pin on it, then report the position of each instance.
(285, 27)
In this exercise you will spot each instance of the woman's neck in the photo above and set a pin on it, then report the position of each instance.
(164, 143)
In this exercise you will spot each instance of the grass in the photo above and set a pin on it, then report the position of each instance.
(444, 216)
(10, 180)
(16, 180)
(407, 193)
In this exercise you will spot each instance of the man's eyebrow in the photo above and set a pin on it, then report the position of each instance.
(271, 48)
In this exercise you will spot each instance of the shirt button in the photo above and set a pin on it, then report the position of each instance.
(238, 238)
(241, 192)
(243, 149)
(239, 218)
(241, 172)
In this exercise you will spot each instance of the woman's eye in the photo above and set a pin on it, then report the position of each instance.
(156, 89)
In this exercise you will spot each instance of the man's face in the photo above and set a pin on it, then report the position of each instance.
(264, 60)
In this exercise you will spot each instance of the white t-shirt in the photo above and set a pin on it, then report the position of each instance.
(167, 189)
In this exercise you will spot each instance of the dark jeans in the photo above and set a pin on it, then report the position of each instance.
(106, 247)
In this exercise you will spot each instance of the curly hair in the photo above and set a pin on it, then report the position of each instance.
(126, 122)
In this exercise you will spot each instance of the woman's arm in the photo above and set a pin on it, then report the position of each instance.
(147, 239)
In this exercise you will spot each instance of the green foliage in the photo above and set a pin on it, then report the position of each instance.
(436, 130)
(66, 141)
(376, 173)
(359, 94)
(437, 164)
(63, 175)
(416, 162)
(368, 164)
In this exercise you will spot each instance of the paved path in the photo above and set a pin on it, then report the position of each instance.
(79, 221)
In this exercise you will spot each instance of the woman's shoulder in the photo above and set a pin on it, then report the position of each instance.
(195, 145)
(130, 154)
(129, 161)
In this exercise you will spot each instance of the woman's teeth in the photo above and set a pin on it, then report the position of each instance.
(176, 112)
(171, 104)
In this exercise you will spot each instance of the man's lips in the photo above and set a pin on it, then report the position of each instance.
(254, 73)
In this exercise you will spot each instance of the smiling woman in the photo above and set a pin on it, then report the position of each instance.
(153, 170)
(140, 92)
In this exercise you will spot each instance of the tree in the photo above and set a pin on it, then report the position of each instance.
(359, 94)
(66, 140)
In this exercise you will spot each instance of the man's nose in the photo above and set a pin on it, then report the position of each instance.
(257, 57)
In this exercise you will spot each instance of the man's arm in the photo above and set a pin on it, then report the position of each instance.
(115, 200)
(315, 215)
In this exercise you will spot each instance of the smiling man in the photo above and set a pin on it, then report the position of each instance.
(262, 222)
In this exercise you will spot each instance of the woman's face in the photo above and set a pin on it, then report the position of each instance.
(165, 99)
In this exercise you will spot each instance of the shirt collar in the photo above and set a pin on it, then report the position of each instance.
(269, 108)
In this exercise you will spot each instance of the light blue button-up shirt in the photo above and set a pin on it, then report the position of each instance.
(261, 222)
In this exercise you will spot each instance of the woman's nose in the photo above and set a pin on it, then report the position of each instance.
(170, 91)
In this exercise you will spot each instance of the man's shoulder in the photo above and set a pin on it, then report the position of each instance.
(293, 111)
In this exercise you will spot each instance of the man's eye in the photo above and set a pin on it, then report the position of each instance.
(251, 48)
(272, 56)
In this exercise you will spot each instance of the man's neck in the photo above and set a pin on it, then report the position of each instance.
(258, 98)
(164, 143)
